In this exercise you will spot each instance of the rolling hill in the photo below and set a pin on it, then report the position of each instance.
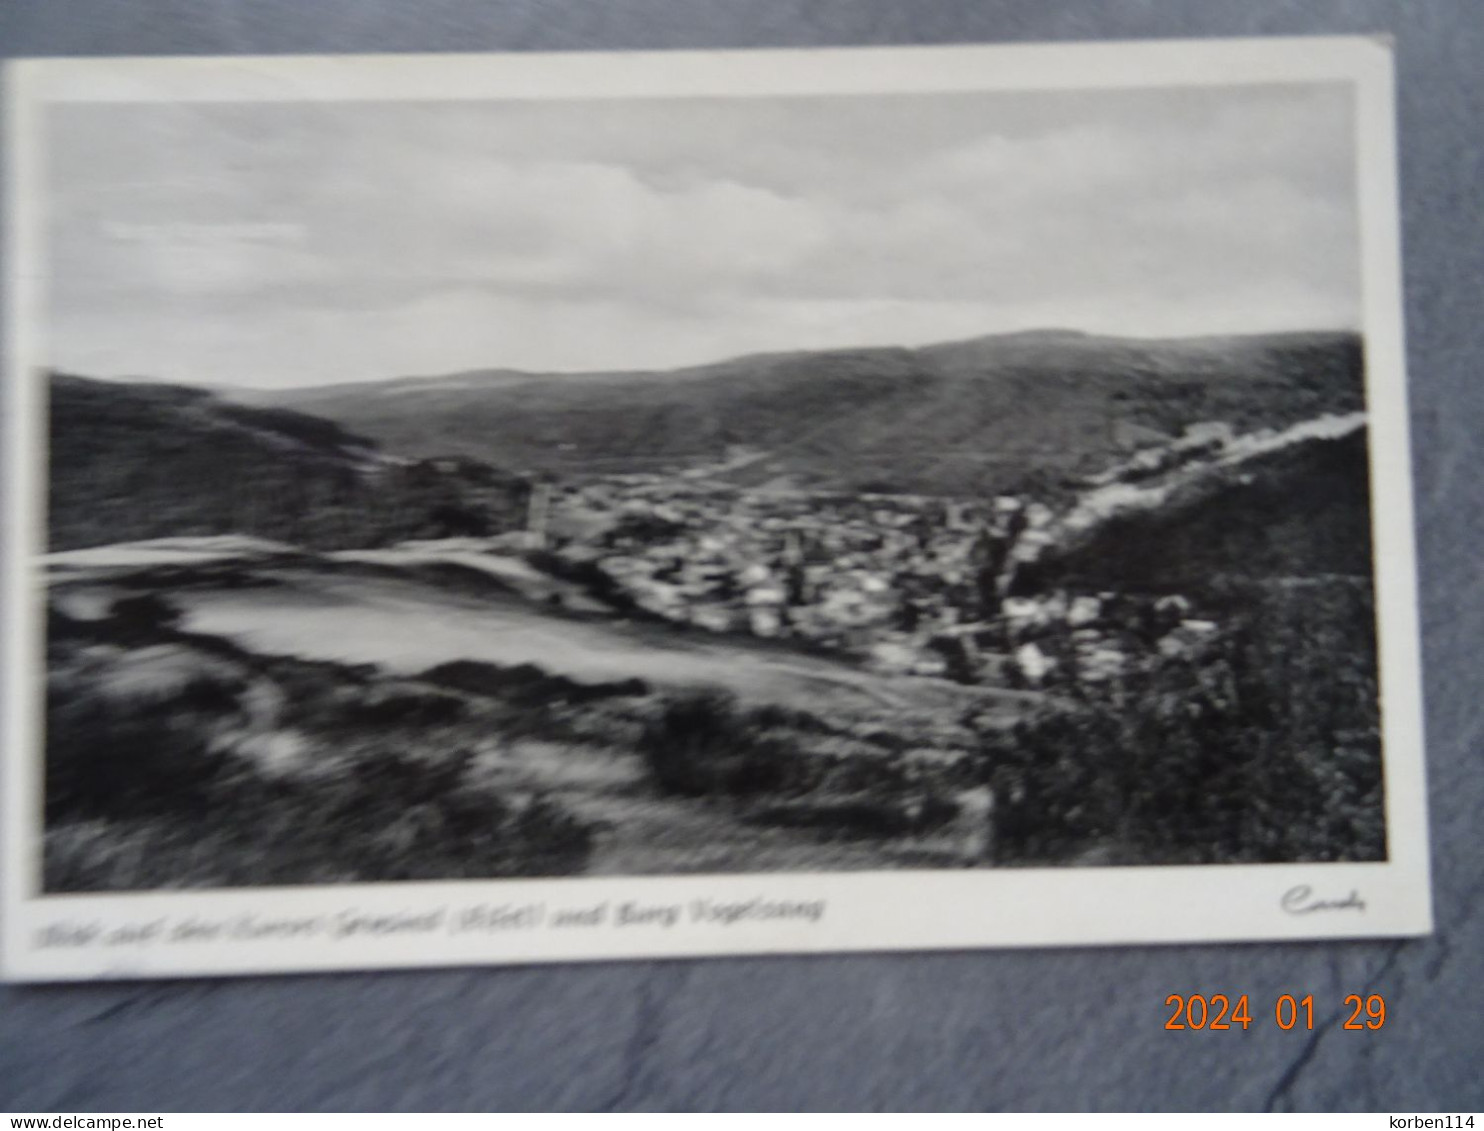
(1291, 505)
(1003, 413)
(139, 461)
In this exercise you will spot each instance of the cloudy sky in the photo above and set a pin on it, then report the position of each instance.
(277, 245)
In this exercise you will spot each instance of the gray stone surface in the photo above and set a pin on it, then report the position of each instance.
(1075, 1029)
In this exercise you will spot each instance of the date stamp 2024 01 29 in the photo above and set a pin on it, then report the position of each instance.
(1219, 1011)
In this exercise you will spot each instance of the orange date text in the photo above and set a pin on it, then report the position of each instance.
(1223, 1011)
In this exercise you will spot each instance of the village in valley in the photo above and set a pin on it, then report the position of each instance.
(909, 584)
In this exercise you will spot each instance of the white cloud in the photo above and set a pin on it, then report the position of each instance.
(304, 244)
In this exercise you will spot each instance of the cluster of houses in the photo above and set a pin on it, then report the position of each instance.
(836, 570)
(916, 585)
(1063, 639)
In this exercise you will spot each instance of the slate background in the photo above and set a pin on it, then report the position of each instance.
(1066, 1029)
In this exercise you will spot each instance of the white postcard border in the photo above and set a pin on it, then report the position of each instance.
(61, 937)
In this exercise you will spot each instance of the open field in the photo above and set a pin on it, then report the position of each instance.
(305, 683)
(406, 627)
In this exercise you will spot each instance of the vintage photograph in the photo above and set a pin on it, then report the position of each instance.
(480, 488)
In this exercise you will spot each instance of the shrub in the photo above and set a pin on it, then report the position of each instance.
(773, 715)
(1264, 747)
(862, 816)
(592, 578)
(526, 683)
(406, 706)
(392, 817)
(145, 617)
(61, 627)
(397, 816)
(109, 755)
(143, 790)
(703, 744)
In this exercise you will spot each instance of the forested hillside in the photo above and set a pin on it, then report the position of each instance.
(1009, 413)
(1302, 510)
(138, 461)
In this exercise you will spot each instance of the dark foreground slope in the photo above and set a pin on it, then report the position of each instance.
(1254, 739)
(1004, 413)
(139, 461)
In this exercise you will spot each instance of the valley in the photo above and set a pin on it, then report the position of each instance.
(751, 617)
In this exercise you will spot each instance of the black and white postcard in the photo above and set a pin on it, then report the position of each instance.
(485, 509)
